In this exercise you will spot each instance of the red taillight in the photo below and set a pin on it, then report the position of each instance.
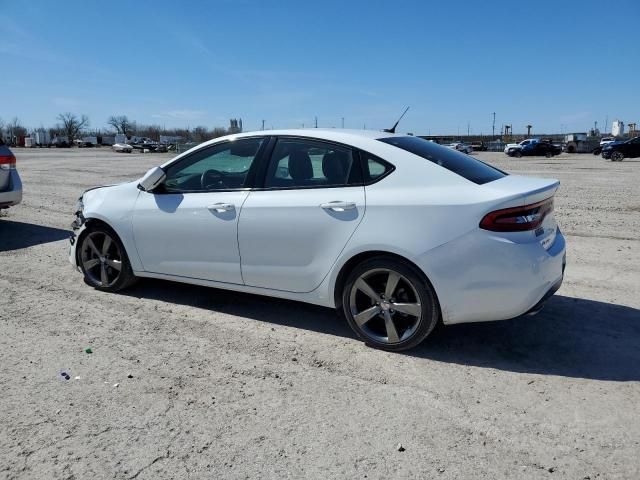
(7, 162)
(517, 219)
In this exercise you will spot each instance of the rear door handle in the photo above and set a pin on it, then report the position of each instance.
(338, 206)
(222, 207)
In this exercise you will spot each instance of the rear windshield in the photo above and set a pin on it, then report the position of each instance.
(457, 162)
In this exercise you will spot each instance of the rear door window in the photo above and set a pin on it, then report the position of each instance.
(304, 163)
(464, 165)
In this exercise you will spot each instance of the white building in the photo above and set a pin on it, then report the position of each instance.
(617, 128)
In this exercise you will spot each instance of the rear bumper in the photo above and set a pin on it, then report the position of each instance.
(480, 277)
(13, 195)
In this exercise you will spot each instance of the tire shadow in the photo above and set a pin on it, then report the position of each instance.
(571, 337)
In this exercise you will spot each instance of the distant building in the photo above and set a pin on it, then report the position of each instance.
(617, 128)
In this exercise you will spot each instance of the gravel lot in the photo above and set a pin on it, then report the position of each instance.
(189, 382)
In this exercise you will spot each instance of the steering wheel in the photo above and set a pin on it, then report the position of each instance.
(212, 179)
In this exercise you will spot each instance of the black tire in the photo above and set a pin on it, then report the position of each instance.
(412, 288)
(548, 154)
(597, 151)
(107, 259)
(617, 156)
(517, 154)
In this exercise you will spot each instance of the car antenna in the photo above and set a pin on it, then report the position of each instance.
(393, 129)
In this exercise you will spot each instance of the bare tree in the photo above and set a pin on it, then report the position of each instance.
(14, 131)
(218, 132)
(71, 125)
(149, 131)
(122, 124)
(200, 134)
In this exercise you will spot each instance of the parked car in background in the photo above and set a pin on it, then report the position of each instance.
(479, 146)
(122, 148)
(618, 151)
(10, 183)
(146, 144)
(532, 147)
(461, 147)
(604, 141)
(282, 213)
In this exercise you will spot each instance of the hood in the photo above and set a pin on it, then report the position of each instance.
(611, 144)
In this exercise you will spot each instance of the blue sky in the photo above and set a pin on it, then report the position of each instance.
(553, 64)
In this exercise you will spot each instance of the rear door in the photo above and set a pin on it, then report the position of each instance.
(293, 229)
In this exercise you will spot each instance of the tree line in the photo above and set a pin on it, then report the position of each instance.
(75, 126)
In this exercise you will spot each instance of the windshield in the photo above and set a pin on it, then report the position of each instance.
(464, 165)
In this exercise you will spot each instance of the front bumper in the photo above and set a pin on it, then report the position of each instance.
(78, 226)
(13, 195)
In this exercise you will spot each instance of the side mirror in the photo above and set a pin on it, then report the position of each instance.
(151, 179)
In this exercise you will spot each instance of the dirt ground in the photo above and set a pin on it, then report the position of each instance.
(189, 382)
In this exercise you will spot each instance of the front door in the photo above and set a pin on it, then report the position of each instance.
(293, 230)
(188, 227)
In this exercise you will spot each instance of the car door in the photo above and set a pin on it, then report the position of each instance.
(293, 229)
(188, 226)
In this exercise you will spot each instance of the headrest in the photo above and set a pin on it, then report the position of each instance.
(335, 166)
(300, 167)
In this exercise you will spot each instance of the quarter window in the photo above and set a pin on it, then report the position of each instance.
(374, 168)
(301, 163)
(218, 167)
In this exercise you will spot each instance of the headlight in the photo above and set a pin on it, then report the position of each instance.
(79, 207)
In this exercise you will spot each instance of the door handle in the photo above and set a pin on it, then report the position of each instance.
(338, 206)
(221, 207)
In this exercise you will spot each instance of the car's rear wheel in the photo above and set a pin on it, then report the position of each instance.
(103, 260)
(549, 154)
(517, 154)
(389, 304)
(617, 156)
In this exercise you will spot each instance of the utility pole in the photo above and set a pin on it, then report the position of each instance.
(468, 128)
(342, 122)
(262, 124)
(493, 127)
(316, 122)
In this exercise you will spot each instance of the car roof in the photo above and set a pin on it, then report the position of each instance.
(322, 133)
(356, 138)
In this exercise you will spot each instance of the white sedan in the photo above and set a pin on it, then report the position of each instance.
(397, 232)
(461, 147)
(122, 148)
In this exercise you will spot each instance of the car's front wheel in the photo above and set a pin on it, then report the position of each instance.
(617, 156)
(389, 304)
(103, 260)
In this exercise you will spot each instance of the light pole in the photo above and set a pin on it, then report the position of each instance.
(493, 126)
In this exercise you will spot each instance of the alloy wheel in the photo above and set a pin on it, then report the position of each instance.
(385, 306)
(101, 259)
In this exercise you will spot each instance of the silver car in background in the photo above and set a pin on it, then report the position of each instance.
(10, 184)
